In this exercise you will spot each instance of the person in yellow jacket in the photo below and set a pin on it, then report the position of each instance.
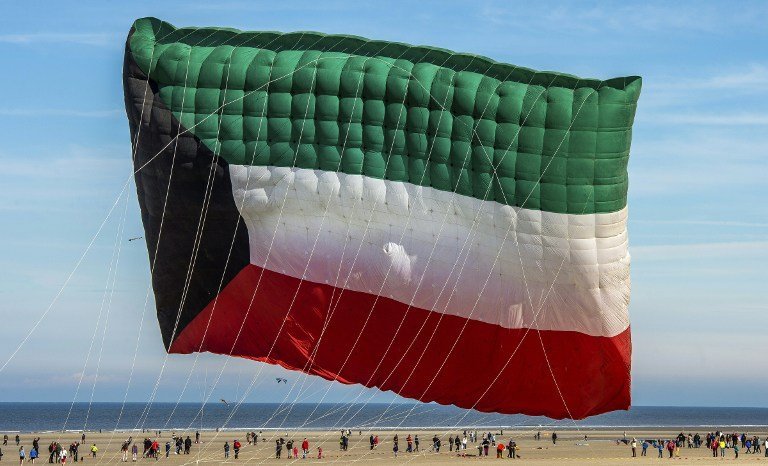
(94, 449)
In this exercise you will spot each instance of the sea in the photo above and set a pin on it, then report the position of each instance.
(46, 417)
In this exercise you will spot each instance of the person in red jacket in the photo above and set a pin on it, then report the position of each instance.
(236, 446)
(319, 453)
(500, 450)
(305, 448)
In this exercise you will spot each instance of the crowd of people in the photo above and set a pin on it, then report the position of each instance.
(720, 443)
(57, 452)
(292, 448)
(152, 449)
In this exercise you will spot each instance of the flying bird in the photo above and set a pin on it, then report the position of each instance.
(279, 379)
(135, 238)
(224, 401)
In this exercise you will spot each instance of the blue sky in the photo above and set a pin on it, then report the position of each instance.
(698, 185)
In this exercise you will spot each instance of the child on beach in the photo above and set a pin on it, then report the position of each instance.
(22, 455)
(319, 453)
(94, 450)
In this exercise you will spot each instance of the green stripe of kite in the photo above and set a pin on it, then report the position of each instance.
(557, 142)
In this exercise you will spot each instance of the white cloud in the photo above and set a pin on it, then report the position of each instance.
(749, 77)
(689, 161)
(674, 252)
(699, 119)
(638, 17)
(704, 222)
(68, 161)
(60, 112)
(93, 39)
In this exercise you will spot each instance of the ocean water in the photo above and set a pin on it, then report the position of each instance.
(27, 417)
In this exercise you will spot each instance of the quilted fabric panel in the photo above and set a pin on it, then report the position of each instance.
(427, 116)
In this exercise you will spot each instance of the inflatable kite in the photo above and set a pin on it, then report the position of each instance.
(436, 224)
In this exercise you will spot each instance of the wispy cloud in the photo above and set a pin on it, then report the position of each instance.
(97, 39)
(751, 76)
(60, 112)
(268, 6)
(643, 17)
(72, 160)
(704, 222)
(702, 119)
(670, 252)
(693, 162)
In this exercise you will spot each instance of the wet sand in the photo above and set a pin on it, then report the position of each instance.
(600, 448)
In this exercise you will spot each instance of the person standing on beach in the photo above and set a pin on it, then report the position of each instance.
(22, 455)
(32, 455)
(94, 450)
(634, 447)
(645, 448)
(226, 450)
(512, 449)
(416, 443)
(5, 439)
(305, 447)
(236, 446)
(278, 449)
(18, 439)
(554, 438)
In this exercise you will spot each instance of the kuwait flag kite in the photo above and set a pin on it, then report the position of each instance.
(404, 217)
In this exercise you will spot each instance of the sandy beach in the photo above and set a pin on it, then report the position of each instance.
(600, 448)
